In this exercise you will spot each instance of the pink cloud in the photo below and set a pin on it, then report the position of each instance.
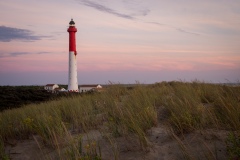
(154, 62)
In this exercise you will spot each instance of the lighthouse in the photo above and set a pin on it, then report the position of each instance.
(72, 68)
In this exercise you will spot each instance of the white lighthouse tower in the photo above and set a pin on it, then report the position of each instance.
(72, 72)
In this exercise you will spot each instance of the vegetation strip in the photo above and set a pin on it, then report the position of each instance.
(181, 107)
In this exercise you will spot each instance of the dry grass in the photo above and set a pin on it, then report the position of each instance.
(182, 107)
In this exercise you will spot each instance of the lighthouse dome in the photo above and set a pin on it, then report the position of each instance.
(71, 23)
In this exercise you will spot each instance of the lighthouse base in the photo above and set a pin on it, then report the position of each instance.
(72, 73)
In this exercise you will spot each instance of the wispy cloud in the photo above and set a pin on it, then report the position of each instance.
(156, 23)
(188, 32)
(43, 52)
(178, 29)
(16, 54)
(106, 9)
(142, 12)
(8, 34)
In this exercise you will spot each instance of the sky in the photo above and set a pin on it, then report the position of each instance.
(120, 41)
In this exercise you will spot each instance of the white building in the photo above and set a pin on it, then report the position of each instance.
(51, 87)
(85, 88)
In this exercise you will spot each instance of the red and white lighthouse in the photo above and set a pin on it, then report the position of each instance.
(72, 70)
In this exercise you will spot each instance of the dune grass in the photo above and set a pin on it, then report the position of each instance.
(182, 107)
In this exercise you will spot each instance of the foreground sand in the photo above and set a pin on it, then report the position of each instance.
(207, 144)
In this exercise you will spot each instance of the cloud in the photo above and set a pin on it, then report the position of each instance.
(42, 52)
(106, 9)
(189, 32)
(8, 34)
(178, 29)
(15, 54)
(136, 6)
(156, 23)
(142, 12)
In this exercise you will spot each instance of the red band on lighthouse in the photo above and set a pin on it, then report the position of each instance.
(72, 40)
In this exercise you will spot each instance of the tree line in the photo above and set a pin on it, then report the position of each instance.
(17, 96)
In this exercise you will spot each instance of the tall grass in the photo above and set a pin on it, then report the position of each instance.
(193, 106)
(183, 107)
(132, 112)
